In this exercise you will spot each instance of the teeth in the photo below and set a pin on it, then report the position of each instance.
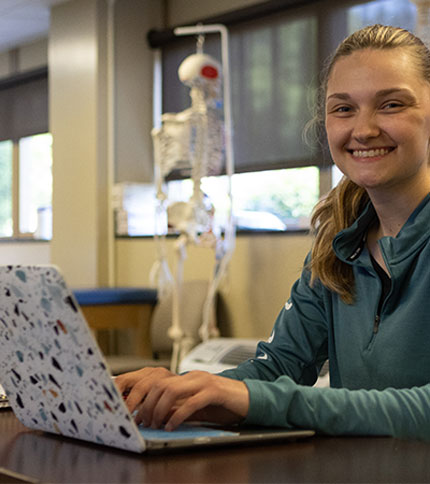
(370, 153)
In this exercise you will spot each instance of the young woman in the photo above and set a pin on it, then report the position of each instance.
(363, 299)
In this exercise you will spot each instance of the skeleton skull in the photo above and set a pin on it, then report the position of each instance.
(200, 69)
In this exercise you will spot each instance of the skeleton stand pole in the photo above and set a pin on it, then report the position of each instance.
(208, 328)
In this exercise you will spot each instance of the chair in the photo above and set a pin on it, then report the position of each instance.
(145, 319)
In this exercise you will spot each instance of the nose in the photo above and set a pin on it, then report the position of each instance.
(365, 126)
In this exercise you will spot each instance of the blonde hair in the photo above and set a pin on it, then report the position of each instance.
(346, 201)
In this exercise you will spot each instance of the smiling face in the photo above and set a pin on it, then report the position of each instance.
(378, 120)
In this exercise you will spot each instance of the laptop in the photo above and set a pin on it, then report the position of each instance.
(57, 380)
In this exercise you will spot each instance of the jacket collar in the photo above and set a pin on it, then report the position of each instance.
(349, 243)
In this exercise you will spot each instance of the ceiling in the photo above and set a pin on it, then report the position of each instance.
(22, 21)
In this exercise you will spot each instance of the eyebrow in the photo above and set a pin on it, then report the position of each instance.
(382, 93)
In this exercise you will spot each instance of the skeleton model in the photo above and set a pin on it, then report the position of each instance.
(196, 142)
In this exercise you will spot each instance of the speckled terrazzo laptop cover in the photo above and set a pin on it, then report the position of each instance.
(43, 339)
(56, 377)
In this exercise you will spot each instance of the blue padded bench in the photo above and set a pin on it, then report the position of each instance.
(115, 295)
(119, 308)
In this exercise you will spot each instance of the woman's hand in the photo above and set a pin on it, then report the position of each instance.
(161, 397)
(135, 385)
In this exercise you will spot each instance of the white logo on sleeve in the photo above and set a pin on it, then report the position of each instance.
(288, 305)
(271, 337)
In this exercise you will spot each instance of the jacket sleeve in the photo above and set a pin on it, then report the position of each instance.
(297, 346)
(402, 413)
(285, 366)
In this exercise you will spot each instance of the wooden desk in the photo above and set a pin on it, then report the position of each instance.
(47, 458)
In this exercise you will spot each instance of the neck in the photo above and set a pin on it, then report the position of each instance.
(393, 208)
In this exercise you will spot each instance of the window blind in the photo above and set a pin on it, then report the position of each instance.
(24, 105)
(273, 66)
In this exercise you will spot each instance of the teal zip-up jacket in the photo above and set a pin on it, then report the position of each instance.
(379, 363)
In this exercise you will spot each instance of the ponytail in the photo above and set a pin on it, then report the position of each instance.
(332, 214)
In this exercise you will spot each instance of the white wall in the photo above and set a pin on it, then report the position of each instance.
(26, 252)
(26, 57)
(33, 55)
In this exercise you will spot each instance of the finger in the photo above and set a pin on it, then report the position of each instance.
(191, 407)
(181, 393)
(221, 399)
(159, 401)
(163, 397)
(182, 398)
(125, 380)
(122, 382)
(140, 383)
(138, 394)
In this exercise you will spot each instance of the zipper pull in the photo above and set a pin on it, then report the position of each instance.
(376, 324)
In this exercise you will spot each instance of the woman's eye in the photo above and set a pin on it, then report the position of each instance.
(392, 105)
(339, 110)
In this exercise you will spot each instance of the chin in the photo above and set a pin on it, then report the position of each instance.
(366, 184)
(369, 181)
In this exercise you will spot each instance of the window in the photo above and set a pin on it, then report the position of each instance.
(275, 199)
(272, 200)
(35, 185)
(25, 205)
(25, 156)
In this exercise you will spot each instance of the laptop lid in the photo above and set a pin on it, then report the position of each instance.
(50, 366)
(57, 379)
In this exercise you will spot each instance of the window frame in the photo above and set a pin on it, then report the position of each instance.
(15, 189)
